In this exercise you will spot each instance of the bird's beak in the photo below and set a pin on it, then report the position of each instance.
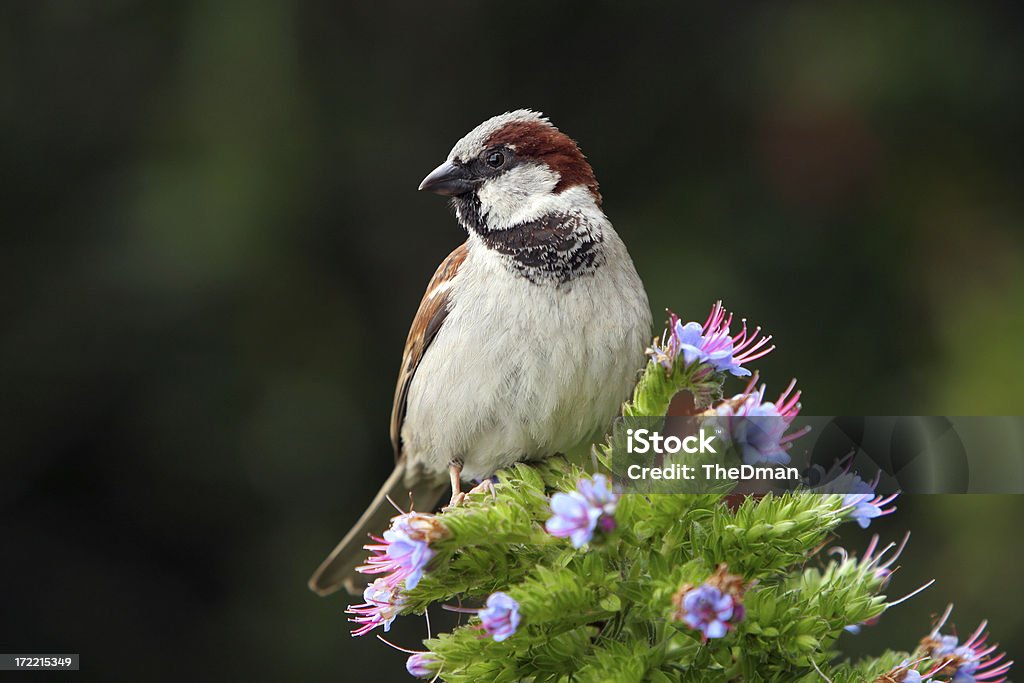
(449, 180)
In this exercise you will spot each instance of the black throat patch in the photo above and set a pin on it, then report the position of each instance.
(556, 248)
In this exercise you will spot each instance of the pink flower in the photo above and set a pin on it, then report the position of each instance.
(878, 564)
(404, 551)
(712, 343)
(576, 514)
(402, 554)
(757, 428)
(382, 604)
(860, 502)
(970, 662)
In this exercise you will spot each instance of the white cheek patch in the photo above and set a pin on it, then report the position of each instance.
(518, 195)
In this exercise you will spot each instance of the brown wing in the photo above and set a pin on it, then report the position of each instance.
(429, 318)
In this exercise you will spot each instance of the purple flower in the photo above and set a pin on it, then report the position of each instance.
(572, 517)
(404, 551)
(855, 629)
(690, 340)
(910, 675)
(880, 563)
(966, 673)
(402, 554)
(711, 343)
(381, 605)
(598, 493)
(758, 428)
(714, 607)
(708, 610)
(875, 564)
(408, 555)
(944, 645)
(576, 514)
(421, 665)
(863, 505)
(860, 502)
(501, 616)
(905, 673)
(971, 662)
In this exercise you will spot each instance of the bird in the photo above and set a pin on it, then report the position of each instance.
(529, 337)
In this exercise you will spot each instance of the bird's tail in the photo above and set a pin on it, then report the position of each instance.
(339, 569)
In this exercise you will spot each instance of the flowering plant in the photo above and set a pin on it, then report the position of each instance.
(570, 579)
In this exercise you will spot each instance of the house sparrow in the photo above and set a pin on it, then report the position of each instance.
(529, 336)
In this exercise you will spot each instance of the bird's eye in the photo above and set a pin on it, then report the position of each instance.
(495, 159)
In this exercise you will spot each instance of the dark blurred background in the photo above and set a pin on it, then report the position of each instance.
(214, 246)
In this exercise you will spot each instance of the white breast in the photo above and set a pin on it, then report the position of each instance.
(521, 370)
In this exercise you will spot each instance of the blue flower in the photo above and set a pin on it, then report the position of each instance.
(757, 428)
(944, 645)
(966, 673)
(382, 603)
(404, 551)
(500, 618)
(576, 514)
(598, 493)
(860, 503)
(708, 610)
(863, 507)
(690, 341)
(711, 343)
(969, 662)
(759, 436)
(905, 673)
(421, 665)
(572, 517)
(409, 555)
(909, 675)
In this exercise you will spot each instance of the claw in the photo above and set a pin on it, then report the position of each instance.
(486, 486)
(457, 499)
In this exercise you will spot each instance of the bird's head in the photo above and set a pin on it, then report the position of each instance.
(512, 169)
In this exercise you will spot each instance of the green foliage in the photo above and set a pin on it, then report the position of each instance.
(605, 612)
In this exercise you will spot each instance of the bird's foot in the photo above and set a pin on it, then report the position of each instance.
(486, 486)
(458, 498)
(455, 473)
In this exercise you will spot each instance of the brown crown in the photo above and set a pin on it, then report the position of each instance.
(542, 141)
